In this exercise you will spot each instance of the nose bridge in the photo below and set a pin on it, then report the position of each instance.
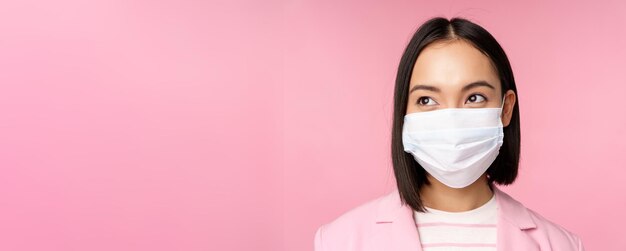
(454, 100)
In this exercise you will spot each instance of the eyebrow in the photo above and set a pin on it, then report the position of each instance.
(464, 89)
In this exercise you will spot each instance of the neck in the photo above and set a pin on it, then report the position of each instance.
(441, 197)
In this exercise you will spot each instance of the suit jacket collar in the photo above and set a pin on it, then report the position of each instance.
(513, 218)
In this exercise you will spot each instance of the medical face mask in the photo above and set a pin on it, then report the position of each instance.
(454, 145)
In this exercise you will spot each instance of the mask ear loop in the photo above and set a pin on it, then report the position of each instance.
(502, 107)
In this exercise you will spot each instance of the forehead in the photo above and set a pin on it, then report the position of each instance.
(452, 64)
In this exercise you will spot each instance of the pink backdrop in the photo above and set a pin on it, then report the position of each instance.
(243, 125)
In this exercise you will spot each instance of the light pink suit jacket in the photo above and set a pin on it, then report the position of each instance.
(384, 224)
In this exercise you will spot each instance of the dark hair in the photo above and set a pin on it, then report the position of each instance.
(410, 176)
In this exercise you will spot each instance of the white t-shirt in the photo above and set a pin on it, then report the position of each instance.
(469, 230)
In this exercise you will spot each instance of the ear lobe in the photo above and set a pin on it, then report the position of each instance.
(506, 119)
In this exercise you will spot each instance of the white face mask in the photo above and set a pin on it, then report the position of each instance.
(454, 145)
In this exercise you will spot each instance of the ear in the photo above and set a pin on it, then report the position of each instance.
(507, 109)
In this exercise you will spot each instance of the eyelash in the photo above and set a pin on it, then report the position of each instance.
(475, 94)
(478, 94)
(423, 97)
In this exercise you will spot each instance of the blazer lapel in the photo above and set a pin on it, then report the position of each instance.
(513, 220)
(396, 225)
(404, 235)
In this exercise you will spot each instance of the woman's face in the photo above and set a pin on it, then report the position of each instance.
(454, 74)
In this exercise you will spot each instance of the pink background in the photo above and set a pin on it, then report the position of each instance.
(243, 125)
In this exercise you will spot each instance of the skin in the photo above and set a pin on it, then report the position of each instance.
(441, 72)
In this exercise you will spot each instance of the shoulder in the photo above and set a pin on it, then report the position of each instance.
(352, 225)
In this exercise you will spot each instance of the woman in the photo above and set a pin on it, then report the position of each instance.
(456, 133)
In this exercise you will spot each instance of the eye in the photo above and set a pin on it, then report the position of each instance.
(476, 98)
(426, 101)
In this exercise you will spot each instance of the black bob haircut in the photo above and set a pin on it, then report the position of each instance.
(410, 176)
